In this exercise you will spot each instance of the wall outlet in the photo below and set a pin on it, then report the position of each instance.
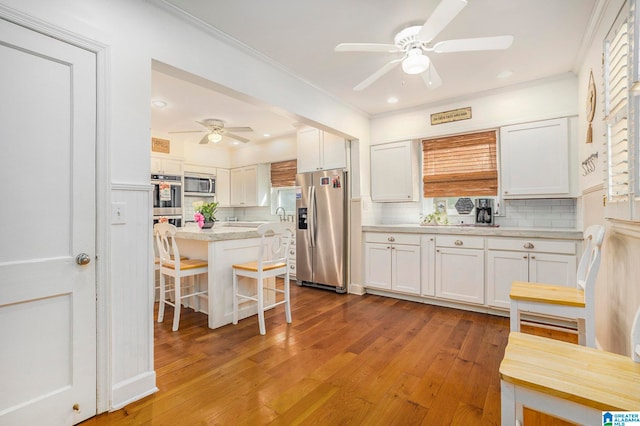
(118, 213)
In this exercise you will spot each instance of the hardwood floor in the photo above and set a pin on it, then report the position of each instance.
(345, 360)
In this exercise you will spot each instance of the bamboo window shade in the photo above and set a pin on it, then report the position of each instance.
(460, 165)
(283, 173)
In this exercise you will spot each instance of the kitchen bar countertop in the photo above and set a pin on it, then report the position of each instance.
(485, 231)
(218, 233)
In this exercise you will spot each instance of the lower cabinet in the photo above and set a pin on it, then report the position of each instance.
(460, 268)
(392, 262)
(529, 260)
(470, 269)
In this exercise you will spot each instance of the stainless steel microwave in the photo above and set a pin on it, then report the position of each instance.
(199, 185)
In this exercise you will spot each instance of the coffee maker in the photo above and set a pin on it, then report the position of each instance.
(484, 211)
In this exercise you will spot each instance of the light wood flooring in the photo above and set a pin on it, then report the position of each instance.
(345, 360)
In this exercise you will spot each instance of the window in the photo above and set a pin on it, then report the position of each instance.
(283, 173)
(463, 164)
(620, 52)
(283, 191)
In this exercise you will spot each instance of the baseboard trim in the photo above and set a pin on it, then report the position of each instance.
(133, 389)
(357, 289)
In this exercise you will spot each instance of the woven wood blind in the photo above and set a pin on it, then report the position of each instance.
(283, 173)
(460, 165)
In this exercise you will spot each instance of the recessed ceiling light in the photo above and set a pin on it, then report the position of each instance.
(159, 104)
(505, 74)
(392, 100)
(235, 143)
(266, 135)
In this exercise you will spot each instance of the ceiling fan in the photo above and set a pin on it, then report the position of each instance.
(216, 130)
(414, 41)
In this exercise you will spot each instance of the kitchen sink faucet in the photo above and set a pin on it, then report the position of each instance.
(282, 216)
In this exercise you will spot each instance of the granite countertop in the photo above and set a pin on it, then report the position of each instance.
(218, 233)
(486, 231)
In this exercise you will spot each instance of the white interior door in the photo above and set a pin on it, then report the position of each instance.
(47, 166)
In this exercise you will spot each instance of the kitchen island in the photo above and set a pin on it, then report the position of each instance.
(222, 246)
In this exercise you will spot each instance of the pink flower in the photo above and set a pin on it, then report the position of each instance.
(199, 218)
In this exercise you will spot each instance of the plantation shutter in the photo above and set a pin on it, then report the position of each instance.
(460, 165)
(283, 173)
(616, 91)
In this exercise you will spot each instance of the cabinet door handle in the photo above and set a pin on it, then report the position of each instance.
(525, 257)
(458, 243)
(393, 248)
(388, 247)
(533, 257)
(392, 239)
(528, 246)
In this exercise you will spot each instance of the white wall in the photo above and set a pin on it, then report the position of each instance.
(135, 33)
(617, 289)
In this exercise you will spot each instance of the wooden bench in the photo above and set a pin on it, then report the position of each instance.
(566, 380)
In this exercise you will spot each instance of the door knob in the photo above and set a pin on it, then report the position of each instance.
(83, 259)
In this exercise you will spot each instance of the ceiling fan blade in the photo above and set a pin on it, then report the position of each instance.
(202, 123)
(367, 47)
(431, 77)
(236, 137)
(188, 131)
(376, 75)
(480, 43)
(205, 139)
(440, 18)
(239, 129)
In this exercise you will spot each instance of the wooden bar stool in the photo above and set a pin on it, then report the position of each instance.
(272, 261)
(572, 382)
(569, 302)
(173, 265)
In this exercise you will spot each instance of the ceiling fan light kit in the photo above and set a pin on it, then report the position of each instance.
(416, 62)
(413, 41)
(214, 137)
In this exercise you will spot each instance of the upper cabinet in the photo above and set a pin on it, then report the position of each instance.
(536, 159)
(394, 172)
(319, 150)
(222, 187)
(165, 165)
(250, 186)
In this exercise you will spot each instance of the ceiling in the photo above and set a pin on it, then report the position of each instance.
(549, 40)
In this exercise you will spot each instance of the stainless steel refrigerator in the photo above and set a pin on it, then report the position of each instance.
(321, 205)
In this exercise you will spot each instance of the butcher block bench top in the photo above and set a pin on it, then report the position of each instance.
(546, 293)
(587, 376)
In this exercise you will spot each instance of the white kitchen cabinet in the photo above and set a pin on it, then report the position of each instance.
(199, 168)
(460, 268)
(250, 186)
(427, 264)
(393, 262)
(164, 165)
(319, 150)
(223, 187)
(542, 261)
(395, 172)
(292, 256)
(536, 159)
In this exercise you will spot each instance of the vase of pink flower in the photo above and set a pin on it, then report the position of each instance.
(205, 213)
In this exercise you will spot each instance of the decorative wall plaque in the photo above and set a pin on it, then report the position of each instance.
(449, 116)
(160, 145)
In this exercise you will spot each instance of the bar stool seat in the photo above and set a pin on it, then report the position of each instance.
(272, 261)
(175, 266)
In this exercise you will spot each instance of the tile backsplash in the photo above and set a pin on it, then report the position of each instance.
(543, 213)
(533, 213)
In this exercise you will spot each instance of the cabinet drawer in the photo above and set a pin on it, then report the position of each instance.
(386, 238)
(459, 241)
(543, 246)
